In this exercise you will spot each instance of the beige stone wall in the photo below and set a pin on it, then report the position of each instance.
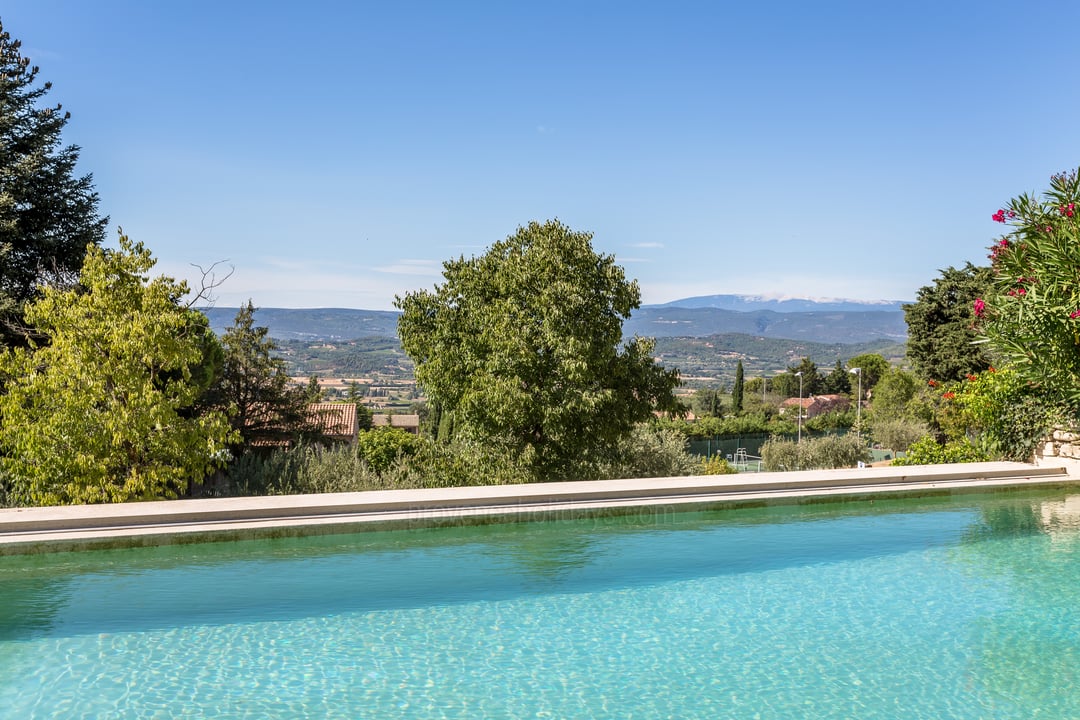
(1063, 448)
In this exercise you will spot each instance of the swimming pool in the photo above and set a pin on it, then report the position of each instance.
(961, 607)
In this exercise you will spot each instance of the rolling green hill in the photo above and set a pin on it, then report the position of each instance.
(704, 361)
(705, 344)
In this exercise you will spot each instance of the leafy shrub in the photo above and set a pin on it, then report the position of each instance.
(748, 424)
(1010, 415)
(462, 462)
(778, 455)
(836, 420)
(898, 433)
(928, 451)
(381, 446)
(651, 451)
(716, 465)
(301, 470)
(831, 451)
(393, 459)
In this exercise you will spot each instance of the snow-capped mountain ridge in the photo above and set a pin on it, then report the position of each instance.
(778, 302)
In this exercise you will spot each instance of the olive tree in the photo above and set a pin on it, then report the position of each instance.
(523, 347)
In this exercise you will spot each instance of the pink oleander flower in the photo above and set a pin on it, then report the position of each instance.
(980, 307)
(932, 383)
(999, 216)
(1074, 314)
(948, 396)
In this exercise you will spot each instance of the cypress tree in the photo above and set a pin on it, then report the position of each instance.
(737, 391)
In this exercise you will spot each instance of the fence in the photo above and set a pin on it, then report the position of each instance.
(727, 445)
(744, 449)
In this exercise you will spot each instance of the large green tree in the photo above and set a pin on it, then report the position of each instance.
(48, 214)
(523, 346)
(892, 394)
(942, 339)
(872, 367)
(103, 411)
(837, 381)
(787, 385)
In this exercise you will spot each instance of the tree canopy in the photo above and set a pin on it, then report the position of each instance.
(942, 338)
(103, 411)
(48, 214)
(872, 367)
(523, 346)
(837, 381)
(787, 384)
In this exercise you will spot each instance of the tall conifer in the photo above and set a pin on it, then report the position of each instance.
(48, 214)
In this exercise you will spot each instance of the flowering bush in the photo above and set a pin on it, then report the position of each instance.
(999, 413)
(1032, 318)
(1007, 413)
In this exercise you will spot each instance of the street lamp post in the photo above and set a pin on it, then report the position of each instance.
(799, 375)
(858, 401)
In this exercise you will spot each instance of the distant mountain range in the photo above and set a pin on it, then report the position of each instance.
(784, 304)
(824, 321)
(821, 327)
(317, 324)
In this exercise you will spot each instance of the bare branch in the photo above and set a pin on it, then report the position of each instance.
(208, 283)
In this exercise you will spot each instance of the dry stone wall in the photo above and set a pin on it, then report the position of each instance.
(1062, 448)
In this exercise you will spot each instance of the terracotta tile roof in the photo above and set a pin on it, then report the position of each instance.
(819, 404)
(337, 420)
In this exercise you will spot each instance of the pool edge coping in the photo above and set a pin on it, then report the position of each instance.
(72, 528)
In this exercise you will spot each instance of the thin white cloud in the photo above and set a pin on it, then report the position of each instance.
(294, 285)
(426, 268)
(633, 260)
(647, 245)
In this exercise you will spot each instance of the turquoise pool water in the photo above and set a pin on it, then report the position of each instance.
(948, 608)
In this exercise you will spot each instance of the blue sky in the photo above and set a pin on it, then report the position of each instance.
(335, 153)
